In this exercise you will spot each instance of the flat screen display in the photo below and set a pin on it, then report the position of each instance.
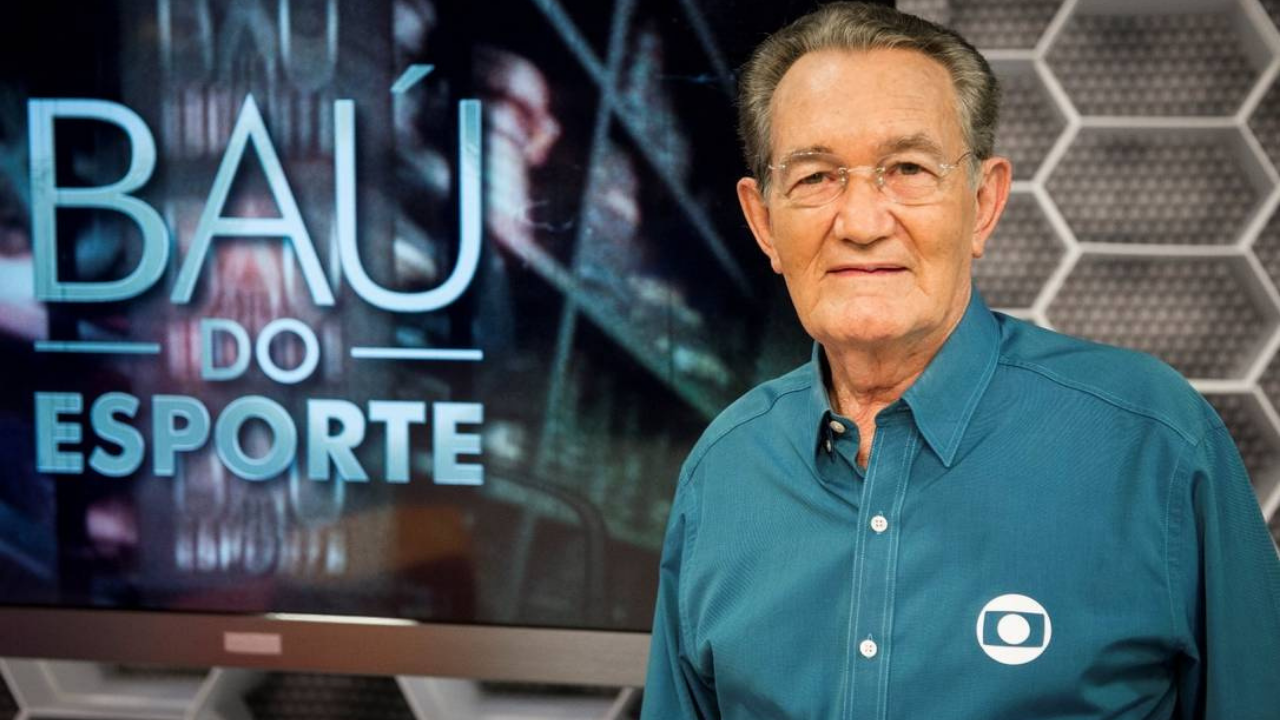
(385, 309)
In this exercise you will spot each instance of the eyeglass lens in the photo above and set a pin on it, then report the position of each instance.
(813, 179)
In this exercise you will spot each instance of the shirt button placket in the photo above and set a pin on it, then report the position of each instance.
(886, 482)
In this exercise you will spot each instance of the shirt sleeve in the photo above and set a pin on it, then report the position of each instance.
(1229, 578)
(674, 690)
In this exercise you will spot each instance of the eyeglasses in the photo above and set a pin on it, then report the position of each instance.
(813, 179)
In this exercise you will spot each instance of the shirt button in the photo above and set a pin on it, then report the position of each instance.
(868, 649)
(879, 523)
(827, 444)
(836, 426)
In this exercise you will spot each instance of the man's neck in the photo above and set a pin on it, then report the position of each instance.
(867, 379)
(865, 382)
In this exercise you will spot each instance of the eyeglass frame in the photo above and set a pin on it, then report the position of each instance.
(876, 176)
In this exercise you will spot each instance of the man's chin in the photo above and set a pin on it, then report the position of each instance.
(865, 331)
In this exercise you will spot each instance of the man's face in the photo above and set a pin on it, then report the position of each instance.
(864, 271)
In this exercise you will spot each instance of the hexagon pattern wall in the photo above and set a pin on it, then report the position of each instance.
(1145, 136)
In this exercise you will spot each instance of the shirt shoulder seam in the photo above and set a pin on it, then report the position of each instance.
(1105, 396)
(696, 459)
(1171, 567)
(687, 635)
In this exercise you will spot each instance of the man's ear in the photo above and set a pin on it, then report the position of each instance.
(756, 212)
(993, 193)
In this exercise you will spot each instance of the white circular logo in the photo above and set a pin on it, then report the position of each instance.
(1014, 629)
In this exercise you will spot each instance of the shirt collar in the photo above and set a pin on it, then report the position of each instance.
(944, 397)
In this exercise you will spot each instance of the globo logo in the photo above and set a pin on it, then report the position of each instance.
(1014, 629)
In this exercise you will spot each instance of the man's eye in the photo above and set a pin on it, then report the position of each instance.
(814, 178)
(907, 169)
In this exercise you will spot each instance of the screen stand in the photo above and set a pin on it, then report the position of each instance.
(47, 689)
(59, 689)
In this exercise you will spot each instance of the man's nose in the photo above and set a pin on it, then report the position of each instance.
(862, 211)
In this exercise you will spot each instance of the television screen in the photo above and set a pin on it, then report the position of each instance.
(400, 310)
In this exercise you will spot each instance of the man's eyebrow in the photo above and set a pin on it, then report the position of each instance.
(806, 149)
(918, 141)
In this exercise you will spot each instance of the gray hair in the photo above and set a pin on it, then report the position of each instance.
(862, 26)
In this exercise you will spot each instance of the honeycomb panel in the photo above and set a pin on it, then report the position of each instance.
(310, 696)
(938, 11)
(1155, 186)
(1273, 9)
(1267, 248)
(1029, 120)
(1254, 436)
(1270, 381)
(1002, 24)
(1265, 123)
(1021, 255)
(1194, 313)
(1153, 64)
(989, 24)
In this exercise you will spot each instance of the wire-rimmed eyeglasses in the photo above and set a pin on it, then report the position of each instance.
(813, 179)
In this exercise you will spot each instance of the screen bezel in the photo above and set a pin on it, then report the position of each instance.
(321, 643)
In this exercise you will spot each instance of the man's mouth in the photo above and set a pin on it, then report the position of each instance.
(868, 270)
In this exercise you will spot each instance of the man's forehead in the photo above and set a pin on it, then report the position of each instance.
(889, 100)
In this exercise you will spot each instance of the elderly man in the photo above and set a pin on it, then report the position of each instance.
(947, 513)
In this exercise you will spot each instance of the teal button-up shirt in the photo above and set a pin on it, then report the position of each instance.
(1047, 528)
